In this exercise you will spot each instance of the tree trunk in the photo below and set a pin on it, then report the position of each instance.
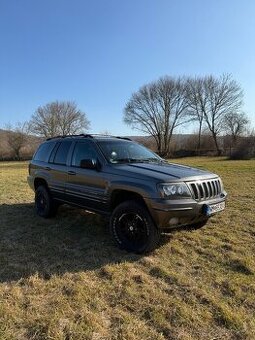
(216, 144)
(199, 138)
(158, 143)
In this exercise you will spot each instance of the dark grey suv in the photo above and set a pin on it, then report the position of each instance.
(140, 192)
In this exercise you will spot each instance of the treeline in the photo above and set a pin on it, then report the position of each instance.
(53, 119)
(212, 106)
(185, 145)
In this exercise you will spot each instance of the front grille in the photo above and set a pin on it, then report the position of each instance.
(203, 190)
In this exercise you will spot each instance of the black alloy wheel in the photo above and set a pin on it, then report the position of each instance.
(44, 205)
(133, 228)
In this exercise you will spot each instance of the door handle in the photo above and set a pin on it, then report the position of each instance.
(72, 173)
(47, 168)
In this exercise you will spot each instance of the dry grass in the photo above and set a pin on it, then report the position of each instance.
(63, 278)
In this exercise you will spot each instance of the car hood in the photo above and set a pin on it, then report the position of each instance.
(162, 171)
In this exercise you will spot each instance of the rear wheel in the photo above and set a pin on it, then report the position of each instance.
(44, 204)
(133, 228)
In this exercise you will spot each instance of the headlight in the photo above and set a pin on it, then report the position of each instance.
(221, 185)
(174, 190)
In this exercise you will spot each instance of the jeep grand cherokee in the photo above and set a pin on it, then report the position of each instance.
(141, 193)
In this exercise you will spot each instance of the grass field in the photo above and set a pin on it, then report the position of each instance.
(63, 278)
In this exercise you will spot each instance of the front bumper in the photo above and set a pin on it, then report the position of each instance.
(181, 212)
(30, 181)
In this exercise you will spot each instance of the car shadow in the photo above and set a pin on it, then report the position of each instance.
(73, 241)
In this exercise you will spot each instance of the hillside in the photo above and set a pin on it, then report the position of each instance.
(27, 150)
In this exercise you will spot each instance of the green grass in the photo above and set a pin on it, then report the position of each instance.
(64, 279)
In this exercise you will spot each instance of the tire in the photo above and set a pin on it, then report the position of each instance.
(44, 204)
(133, 228)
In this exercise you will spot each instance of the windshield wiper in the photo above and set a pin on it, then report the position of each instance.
(138, 160)
(152, 160)
(126, 160)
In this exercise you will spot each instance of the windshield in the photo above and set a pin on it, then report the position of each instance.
(127, 152)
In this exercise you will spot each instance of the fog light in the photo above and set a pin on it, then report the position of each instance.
(174, 221)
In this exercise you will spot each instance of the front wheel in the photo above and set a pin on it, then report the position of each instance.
(133, 228)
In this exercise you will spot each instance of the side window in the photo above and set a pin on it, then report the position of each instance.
(53, 153)
(43, 152)
(62, 153)
(83, 150)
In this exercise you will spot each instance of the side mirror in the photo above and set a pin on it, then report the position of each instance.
(89, 164)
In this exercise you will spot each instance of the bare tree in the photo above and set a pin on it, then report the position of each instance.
(235, 124)
(224, 96)
(16, 138)
(58, 118)
(212, 99)
(197, 99)
(157, 109)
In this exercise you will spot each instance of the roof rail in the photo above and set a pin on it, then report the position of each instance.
(109, 136)
(126, 138)
(88, 136)
(101, 135)
(65, 136)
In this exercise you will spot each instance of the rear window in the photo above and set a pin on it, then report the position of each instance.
(62, 153)
(44, 152)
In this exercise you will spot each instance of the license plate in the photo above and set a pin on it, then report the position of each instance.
(214, 208)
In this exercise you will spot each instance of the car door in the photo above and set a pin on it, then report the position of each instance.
(58, 169)
(86, 187)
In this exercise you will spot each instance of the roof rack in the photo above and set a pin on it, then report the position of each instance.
(109, 136)
(101, 135)
(65, 136)
(126, 138)
(89, 136)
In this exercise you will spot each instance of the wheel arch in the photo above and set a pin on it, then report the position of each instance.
(119, 196)
(40, 181)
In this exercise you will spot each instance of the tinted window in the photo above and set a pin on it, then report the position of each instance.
(62, 153)
(53, 153)
(83, 150)
(44, 151)
(126, 152)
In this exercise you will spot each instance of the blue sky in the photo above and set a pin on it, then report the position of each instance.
(97, 53)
